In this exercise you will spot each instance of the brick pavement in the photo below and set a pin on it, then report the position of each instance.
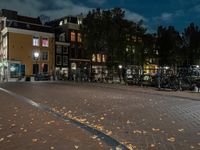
(25, 128)
(145, 118)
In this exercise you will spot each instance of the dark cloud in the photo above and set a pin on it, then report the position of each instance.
(50, 5)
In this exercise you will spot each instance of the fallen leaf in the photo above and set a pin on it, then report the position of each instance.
(137, 131)
(128, 122)
(94, 136)
(155, 130)
(102, 118)
(45, 141)
(12, 125)
(192, 147)
(109, 133)
(1, 139)
(172, 139)
(180, 130)
(34, 140)
(76, 147)
(9, 136)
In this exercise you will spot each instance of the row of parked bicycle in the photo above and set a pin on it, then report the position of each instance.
(182, 80)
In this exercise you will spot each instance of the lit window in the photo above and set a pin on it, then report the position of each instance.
(98, 57)
(45, 42)
(44, 55)
(61, 23)
(93, 58)
(36, 41)
(79, 21)
(73, 37)
(79, 37)
(103, 58)
(65, 21)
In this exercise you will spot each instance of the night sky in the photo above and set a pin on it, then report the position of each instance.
(179, 13)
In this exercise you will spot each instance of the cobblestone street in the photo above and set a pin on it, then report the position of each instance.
(139, 118)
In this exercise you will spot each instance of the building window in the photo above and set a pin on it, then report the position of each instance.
(58, 49)
(45, 68)
(65, 60)
(103, 58)
(99, 58)
(73, 37)
(65, 21)
(5, 42)
(58, 60)
(36, 41)
(45, 56)
(80, 21)
(61, 23)
(93, 58)
(14, 70)
(62, 37)
(45, 42)
(35, 68)
(79, 37)
(65, 50)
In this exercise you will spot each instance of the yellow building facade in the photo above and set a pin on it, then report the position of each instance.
(22, 37)
(21, 49)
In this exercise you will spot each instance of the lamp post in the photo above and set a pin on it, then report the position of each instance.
(36, 56)
(120, 72)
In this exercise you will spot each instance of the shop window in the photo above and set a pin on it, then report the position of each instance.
(14, 70)
(36, 41)
(45, 42)
(73, 37)
(45, 56)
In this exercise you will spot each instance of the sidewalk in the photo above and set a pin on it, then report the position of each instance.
(25, 128)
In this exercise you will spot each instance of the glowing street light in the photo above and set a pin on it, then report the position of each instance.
(36, 56)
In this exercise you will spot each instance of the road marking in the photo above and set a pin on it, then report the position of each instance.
(107, 139)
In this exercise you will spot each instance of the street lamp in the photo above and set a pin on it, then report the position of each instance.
(120, 72)
(36, 56)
